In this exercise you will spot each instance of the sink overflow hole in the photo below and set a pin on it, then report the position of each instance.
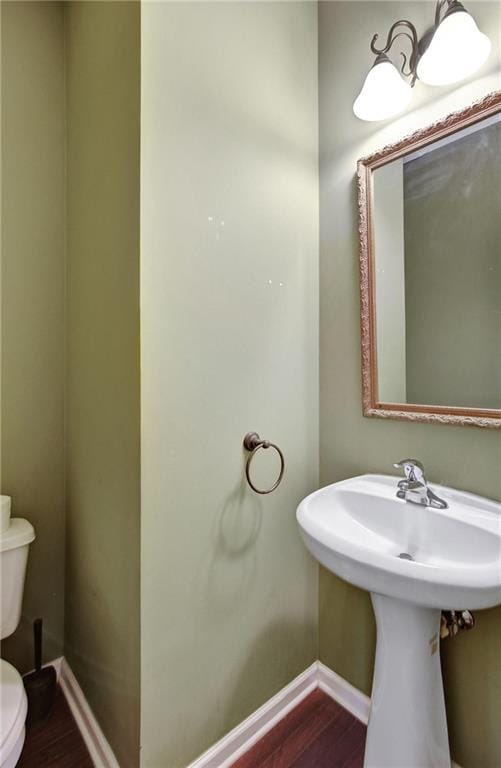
(405, 556)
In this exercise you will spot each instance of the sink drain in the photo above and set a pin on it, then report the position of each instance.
(405, 556)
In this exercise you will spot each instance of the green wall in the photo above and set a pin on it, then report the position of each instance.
(102, 403)
(32, 300)
(350, 444)
(229, 343)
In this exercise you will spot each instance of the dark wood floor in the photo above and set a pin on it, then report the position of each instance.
(318, 733)
(57, 744)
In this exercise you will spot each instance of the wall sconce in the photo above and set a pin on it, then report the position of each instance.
(451, 51)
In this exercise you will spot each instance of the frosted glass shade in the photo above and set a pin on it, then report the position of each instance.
(384, 93)
(457, 49)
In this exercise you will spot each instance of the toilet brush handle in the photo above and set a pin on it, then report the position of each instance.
(37, 637)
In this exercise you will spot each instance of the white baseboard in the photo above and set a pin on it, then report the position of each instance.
(244, 736)
(56, 663)
(57, 666)
(344, 693)
(238, 741)
(100, 751)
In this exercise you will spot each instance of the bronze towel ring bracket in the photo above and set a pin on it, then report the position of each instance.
(252, 444)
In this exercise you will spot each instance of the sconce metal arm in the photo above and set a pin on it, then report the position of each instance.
(451, 7)
(438, 10)
(412, 36)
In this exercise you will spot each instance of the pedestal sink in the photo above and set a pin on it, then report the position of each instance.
(415, 561)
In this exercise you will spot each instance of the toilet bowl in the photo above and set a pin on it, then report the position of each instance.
(15, 537)
(14, 706)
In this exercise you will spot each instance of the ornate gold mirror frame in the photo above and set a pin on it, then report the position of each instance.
(478, 417)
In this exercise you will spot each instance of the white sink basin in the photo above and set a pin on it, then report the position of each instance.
(358, 529)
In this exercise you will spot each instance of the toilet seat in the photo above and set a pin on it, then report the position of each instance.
(13, 709)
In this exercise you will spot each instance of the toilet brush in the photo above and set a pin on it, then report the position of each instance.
(40, 685)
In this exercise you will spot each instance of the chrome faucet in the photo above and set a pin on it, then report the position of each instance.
(414, 487)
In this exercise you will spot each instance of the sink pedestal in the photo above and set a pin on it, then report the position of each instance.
(407, 723)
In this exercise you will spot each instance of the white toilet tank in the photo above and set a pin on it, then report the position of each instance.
(15, 537)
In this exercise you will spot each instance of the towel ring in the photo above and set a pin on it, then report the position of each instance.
(252, 443)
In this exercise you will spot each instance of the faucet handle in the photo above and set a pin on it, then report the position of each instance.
(413, 468)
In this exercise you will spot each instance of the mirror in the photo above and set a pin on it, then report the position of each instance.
(430, 261)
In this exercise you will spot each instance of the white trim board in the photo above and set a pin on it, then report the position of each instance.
(238, 741)
(56, 663)
(244, 736)
(339, 689)
(100, 751)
